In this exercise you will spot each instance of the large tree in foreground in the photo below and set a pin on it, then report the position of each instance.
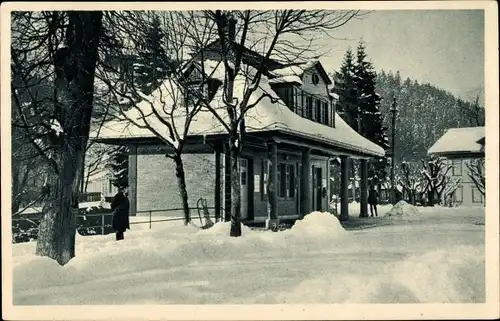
(68, 41)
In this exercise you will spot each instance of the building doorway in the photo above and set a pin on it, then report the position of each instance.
(317, 188)
(243, 188)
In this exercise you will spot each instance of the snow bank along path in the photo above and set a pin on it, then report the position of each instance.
(316, 261)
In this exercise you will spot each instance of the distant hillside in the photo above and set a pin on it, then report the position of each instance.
(425, 112)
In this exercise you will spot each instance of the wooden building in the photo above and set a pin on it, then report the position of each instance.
(296, 130)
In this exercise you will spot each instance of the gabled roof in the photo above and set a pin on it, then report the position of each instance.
(267, 115)
(459, 141)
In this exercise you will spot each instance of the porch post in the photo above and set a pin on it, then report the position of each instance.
(132, 179)
(364, 188)
(344, 185)
(305, 182)
(217, 194)
(227, 184)
(272, 183)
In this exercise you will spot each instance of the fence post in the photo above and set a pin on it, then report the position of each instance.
(102, 224)
(149, 219)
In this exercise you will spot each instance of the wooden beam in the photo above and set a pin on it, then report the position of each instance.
(344, 185)
(218, 187)
(364, 188)
(272, 219)
(305, 183)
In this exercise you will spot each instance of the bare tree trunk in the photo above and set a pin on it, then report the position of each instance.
(15, 188)
(180, 174)
(56, 236)
(235, 190)
(430, 197)
(83, 187)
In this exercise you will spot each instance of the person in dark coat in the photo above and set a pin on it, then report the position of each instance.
(373, 200)
(120, 207)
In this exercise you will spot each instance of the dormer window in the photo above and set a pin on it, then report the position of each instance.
(307, 105)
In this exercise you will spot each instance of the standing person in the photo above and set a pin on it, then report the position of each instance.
(120, 207)
(373, 200)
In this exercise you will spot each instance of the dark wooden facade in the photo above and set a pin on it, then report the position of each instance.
(298, 169)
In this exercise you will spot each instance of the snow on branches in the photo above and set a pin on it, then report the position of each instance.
(435, 170)
(476, 173)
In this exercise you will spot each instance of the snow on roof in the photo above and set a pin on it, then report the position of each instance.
(298, 69)
(214, 69)
(294, 70)
(286, 79)
(267, 115)
(459, 140)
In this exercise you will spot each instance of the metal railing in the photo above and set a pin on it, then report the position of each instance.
(103, 215)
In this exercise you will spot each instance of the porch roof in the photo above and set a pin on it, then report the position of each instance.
(269, 114)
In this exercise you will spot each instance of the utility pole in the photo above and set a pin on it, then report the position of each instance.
(394, 111)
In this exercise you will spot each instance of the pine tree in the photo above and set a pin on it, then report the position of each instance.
(153, 64)
(372, 126)
(118, 164)
(345, 88)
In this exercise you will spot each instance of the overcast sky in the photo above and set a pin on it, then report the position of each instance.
(442, 47)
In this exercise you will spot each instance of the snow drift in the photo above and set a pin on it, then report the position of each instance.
(403, 209)
(454, 275)
(318, 225)
(316, 261)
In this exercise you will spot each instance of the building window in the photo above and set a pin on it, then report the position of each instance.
(309, 107)
(321, 113)
(315, 79)
(289, 100)
(477, 197)
(263, 178)
(457, 167)
(299, 99)
(317, 111)
(326, 119)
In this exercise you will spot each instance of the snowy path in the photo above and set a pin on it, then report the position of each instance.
(435, 257)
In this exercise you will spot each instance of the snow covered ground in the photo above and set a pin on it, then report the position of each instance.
(437, 256)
